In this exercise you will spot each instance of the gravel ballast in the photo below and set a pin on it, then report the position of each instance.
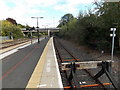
(86, 54)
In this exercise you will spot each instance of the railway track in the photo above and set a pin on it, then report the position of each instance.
(12, 43)
(75, 78)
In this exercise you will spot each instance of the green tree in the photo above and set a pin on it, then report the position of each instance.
(65, 19)
(110, 14)
(21, 26)
(93, 28)
(8, 28)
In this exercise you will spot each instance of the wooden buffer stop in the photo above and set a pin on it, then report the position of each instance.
(105, 68)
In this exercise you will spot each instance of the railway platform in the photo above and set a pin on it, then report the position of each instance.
(46, 73)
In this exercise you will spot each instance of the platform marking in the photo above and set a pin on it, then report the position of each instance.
(5, 54)
(50, 44)
(48, 66)
(36, 77)
(58, 72)
(37, 73)
(52, 82)
(23, 46)
(42, 85)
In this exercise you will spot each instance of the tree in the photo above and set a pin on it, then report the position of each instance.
(12, 21)
(8, 28)
(65, 19)
(21, 26)
(93, 28)
(110, 14)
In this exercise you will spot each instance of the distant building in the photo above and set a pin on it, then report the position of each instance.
(12, 21)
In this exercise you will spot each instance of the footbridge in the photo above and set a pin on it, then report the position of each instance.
(47, 30)
(41, 30)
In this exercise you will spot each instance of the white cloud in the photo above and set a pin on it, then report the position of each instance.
(71, 6)
(66, 8)
(77, 2)
(24, 9)
(42, 2)
(3, 10)
(33, 3)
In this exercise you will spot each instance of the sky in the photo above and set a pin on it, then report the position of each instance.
(50, 10)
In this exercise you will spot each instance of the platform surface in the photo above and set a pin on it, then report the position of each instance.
(46, 73)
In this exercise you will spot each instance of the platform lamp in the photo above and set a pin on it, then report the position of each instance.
(37, 26)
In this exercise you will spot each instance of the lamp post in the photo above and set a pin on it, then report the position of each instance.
(37, 26)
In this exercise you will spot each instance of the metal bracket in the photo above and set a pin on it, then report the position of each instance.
(106, 69)
(106, 65)
(73, 75)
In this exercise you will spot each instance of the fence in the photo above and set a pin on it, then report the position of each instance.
(2, 38)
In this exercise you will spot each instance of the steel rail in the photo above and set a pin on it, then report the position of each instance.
(60, 58)
(76, 60)
(13, 43)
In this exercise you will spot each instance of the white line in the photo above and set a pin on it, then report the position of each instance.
(48, 69)
(50, 44)
(58, 72)
(23, 46)
(3, 55)
(7, 53)
(48, 66)
(49, 61)
(52, 81)
(42, 85)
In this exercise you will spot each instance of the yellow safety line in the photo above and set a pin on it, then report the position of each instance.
(36, 76)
